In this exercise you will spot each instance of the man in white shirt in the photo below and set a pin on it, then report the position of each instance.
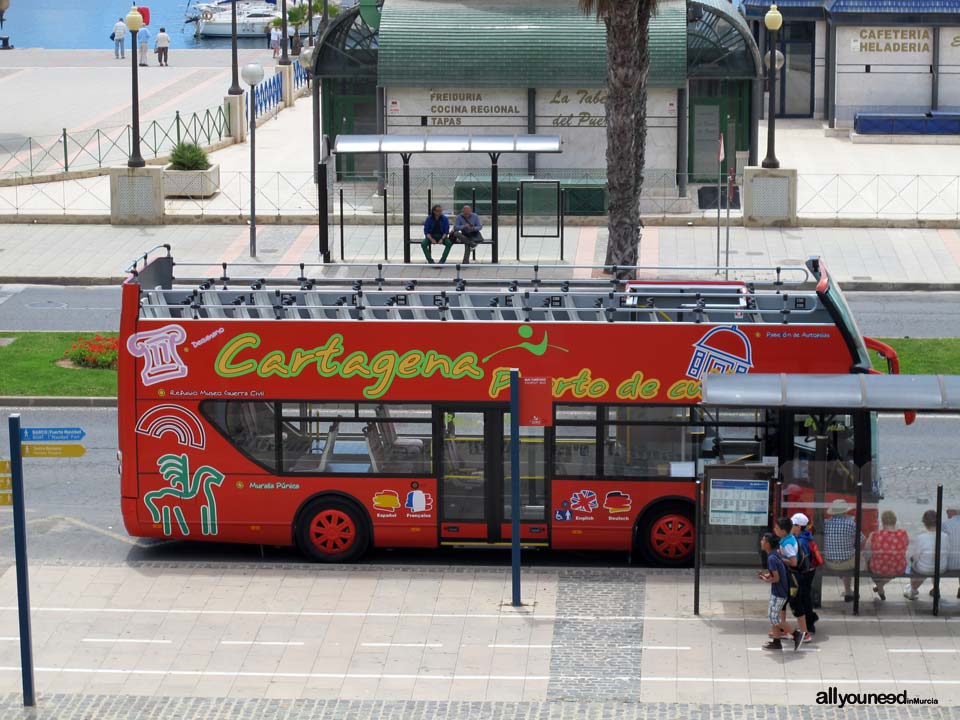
(924, 553)
(119, 35)
(952, 528)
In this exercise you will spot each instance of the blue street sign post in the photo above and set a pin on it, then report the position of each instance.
(515, 482)
(20, 552)
(52, 434)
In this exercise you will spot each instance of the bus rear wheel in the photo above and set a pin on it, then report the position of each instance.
(332, 531)
(666, 535)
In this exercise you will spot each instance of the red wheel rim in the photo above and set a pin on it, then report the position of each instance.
(671, 537)
(332, 531)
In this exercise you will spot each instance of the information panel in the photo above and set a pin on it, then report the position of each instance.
(739, 502)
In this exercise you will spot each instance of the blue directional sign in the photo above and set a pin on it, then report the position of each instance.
(52, 434)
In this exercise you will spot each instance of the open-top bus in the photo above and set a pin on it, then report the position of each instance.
(339, 413)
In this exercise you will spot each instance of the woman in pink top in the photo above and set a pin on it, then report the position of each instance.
(887, 548)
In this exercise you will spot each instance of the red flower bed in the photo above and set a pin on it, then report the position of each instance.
(97, 352)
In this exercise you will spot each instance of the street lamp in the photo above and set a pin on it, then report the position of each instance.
(134, 22)
(284, 57)
(235, 88)
(252, 76)
(772, 20)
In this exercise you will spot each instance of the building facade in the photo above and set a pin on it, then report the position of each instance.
(842, 57)
(537, 66)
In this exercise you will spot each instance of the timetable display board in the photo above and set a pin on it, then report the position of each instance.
(739, 502)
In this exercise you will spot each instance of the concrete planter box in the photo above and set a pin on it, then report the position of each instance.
(191, 183)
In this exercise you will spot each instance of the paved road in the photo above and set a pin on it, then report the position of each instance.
(50, 307)
(74, 512)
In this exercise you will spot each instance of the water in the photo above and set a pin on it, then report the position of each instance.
(86, 24)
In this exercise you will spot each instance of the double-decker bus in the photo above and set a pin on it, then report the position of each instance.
(342, 412)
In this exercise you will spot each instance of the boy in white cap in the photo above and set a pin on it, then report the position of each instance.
(806, 570)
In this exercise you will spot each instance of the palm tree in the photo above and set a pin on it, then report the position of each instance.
(628, 58)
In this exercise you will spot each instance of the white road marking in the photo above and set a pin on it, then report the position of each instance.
(526, 616)
(9, 638)
(786, 649)
(125, 640)
(261, 642)
(653, 647)
(404, 645)
(916, 650)
(506, 646)
(297, 675)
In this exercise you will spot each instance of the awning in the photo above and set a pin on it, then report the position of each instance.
(925, 393)
(447, 144)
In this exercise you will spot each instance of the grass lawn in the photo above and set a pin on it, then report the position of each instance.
(28, 367)
(923, 356)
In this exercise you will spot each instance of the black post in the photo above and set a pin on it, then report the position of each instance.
(697, 522)
(386, 254)
(495, 206)
(770, 161)
(519, 205)
(343, 258)
(473, 200)
(310, 22)
(136, 159)
(406, 206)
(326, 13)
(20, 551)
(856, 554)
(253, 173)
(284, 56)
(937, 551)
(235, 88)
(429, 200)
(560, 196)
(323, 210)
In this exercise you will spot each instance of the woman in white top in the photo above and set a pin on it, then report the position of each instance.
(163, 47)
(924, 553)
(276, 35)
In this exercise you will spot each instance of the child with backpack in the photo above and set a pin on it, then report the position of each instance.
(806, 572)
(781, 588)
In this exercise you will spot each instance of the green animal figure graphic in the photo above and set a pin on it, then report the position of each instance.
(167, 503)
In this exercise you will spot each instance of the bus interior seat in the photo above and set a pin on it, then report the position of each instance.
(392, 441)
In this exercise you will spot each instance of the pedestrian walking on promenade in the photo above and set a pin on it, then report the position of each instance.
(163, 48)
(143, 45)
(806, 569)
(777, 576)
(119, 34)
(275, 37)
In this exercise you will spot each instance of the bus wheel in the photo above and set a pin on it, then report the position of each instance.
(332, 531)
(666, 535)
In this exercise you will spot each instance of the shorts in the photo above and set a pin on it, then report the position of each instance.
(840, 565)
(775, 608)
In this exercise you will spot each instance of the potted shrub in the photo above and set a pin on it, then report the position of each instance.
(190, 173)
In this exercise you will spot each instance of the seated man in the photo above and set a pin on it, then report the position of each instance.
(436, 230)
(466, 230)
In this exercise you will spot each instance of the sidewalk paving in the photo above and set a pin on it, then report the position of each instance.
(858, 258)
(401, 635)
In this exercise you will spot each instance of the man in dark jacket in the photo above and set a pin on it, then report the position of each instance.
(466, 230)
(436, 230)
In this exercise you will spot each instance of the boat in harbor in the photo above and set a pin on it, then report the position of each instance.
(252, 20)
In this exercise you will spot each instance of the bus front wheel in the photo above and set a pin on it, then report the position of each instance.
(332, 531)
(665, 534)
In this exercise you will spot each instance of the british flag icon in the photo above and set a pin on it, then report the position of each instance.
(584, 501)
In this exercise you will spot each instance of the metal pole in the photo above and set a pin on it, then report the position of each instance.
(856, 554)
(519, 206)
(770, 161)
(515, 483)
(386, 254)
(343, 258)
(719, 201)
(66, 159)
(495, 206)
(560, 197)
(697, 523)
(136, 159)
(284, 56)
(937, 551)
(253, 174)
(406, 206)
(20, 551)
(310, 22)
(324, 213)
(732, 144)
(235, 88)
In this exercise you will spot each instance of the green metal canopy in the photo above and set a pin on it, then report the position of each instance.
(514, 43)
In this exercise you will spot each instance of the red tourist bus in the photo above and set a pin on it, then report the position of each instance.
(338, 415)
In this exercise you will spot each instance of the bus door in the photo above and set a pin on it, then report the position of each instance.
(474, 488)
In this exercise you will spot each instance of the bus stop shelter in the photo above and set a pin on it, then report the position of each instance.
(836, 397)
(409, 145)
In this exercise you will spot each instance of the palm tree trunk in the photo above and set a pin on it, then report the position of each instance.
(626, 127)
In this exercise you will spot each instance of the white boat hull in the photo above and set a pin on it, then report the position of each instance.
(218, 27)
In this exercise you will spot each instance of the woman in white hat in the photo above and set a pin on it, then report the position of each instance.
(840, 543)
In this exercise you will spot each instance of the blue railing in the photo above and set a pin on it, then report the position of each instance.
(300, 76)
(268, 95)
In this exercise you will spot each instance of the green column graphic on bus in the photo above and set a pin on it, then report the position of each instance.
(169, 503)
(538, 349)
